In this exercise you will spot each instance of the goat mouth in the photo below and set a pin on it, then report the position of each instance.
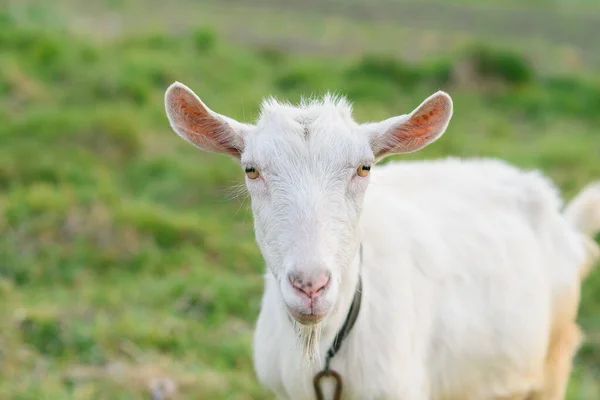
(305, 319)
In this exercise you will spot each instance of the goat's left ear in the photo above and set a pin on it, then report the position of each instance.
(192, 120)
(412, 132)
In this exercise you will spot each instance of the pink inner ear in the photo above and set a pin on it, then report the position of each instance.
(198, 125)
(424, 125)
(429, 118)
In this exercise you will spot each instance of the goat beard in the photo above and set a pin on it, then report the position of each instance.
(309, 337)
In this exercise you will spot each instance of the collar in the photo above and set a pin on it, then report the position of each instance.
(350, 318)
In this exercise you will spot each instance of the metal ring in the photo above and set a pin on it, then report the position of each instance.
(338, 386)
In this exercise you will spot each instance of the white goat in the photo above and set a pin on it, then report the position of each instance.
(470, 272)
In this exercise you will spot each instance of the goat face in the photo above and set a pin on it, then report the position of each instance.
(307, 171)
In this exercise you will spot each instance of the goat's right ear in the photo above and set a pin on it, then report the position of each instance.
(192, 120)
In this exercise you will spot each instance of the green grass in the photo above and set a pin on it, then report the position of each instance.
(126, 258)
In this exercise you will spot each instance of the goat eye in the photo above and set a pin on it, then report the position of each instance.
(252, 173)
(363, 170)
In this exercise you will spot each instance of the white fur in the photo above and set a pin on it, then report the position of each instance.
(463, 259)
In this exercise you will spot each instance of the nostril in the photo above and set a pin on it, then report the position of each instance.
(321, 282)
(297, 283)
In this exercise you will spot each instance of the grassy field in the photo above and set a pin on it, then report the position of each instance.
(127, 262)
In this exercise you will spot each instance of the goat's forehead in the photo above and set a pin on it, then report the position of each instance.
(312, 128)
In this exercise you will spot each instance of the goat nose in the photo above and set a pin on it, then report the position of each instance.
(310, 285)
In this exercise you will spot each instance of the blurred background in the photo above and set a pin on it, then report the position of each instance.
(127, 261)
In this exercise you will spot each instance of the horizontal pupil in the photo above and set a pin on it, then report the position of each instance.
(366, 168)
(250, 170)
